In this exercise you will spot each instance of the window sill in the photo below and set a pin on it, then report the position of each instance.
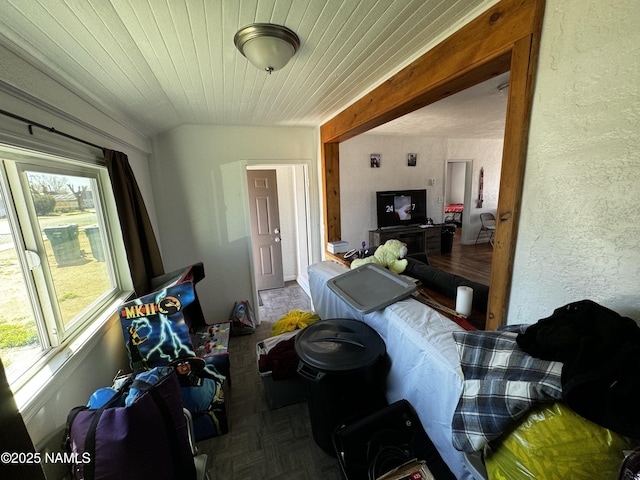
(55, 369)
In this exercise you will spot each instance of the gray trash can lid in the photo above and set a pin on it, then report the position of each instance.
(339, 345)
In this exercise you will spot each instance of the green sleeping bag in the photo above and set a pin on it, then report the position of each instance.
(553, 442)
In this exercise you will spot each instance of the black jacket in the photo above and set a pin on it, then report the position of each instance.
(601, 354)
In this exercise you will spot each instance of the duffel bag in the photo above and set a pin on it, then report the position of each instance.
(147, 438)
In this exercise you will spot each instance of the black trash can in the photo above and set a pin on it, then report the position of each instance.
(447, 234)
(342, 361)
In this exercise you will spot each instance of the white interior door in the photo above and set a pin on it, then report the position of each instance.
(265, 229)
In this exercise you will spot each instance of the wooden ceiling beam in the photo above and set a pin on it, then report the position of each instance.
(504, 38)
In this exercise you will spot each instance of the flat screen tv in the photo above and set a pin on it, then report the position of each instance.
(401, 208)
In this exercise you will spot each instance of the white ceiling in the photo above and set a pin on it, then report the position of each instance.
(478, 112)
(156, 64)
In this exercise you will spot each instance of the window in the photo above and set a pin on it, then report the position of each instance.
(61, 255)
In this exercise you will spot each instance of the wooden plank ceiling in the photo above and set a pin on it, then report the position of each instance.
(157, 64)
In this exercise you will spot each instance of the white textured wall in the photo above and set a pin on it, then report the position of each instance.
(485, 154)
(359, 182)
(199, 182)
(579, 232)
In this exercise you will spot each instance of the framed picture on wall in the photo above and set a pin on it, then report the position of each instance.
(374, 160)
(412, 159)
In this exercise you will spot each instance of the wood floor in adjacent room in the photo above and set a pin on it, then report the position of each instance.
(469, 261)
(265, 444)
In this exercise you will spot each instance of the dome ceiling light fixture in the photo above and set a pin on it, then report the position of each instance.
(266, 45)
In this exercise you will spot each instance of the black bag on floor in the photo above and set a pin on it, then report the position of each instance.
(242, 318)
(367, 447)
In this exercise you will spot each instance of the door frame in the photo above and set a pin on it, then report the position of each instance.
(271, 241)
(506, 37)
(466, 238)
(304, 244)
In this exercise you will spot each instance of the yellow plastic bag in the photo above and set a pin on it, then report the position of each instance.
(554, 442)
(295, 319)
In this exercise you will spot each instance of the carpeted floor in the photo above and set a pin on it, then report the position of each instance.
(266, 444)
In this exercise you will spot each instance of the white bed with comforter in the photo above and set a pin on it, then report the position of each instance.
(425, 366)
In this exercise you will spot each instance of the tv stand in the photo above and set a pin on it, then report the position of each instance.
(418, 239)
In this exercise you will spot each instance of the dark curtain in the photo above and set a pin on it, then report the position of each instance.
(143, 253)
(14, 438)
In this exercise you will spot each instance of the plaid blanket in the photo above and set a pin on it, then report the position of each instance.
(501, 383)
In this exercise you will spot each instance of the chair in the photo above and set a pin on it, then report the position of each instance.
(488, 226)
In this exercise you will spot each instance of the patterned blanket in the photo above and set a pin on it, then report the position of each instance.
(501, 383)
(454, 208)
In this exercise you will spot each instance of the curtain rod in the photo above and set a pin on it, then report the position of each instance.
(32, 124)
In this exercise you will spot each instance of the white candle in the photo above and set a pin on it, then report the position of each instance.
(464, 298)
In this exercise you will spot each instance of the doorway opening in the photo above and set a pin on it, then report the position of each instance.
(457, 196)
(503, 38)
(289, 233)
